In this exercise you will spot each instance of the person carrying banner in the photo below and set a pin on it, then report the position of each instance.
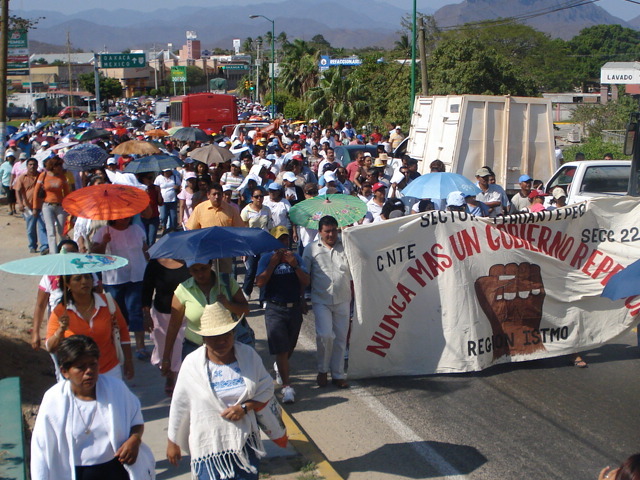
(326, 262)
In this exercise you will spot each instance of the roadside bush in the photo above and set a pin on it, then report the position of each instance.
(594, 149)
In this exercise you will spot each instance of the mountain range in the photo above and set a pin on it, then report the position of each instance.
(353, 24)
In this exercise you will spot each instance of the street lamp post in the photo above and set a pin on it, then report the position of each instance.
(273, 59)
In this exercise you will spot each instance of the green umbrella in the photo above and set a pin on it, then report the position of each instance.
(346, 209)
(64, 264)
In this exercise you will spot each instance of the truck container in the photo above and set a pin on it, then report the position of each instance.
(511, 135)
(203, 110)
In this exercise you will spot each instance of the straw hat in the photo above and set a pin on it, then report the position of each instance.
(216, 320)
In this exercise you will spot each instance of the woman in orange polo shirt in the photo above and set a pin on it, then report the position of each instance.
(85, 312)
(51, 188)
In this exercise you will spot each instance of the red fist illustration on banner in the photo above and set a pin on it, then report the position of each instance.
(511, 297)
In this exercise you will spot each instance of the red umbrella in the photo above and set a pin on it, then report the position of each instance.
(106, 202)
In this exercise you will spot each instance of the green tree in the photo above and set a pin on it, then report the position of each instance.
(195, 76)
(431, 34)
(597, 45)
(109, 87)
(318, 42)
(299, 68)
(533, 53)
(467, 66)
(612, 116)
(385, 86)
(336, 98)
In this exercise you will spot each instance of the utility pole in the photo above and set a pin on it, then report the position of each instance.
(69, 75)
(413, 59)
(4, 41)
(258, 64)
(423, 56)
(155, 70)
(96, 80)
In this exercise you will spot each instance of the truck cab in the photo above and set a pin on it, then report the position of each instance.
(591, 178)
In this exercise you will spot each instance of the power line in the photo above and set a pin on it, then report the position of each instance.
(525, 16)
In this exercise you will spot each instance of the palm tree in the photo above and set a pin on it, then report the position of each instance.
(299, 70)
(336, 98)
(247, 45)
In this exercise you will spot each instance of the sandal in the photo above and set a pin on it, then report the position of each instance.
(580, 363)
(142, 354)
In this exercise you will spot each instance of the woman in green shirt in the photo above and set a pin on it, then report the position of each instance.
(189, 299)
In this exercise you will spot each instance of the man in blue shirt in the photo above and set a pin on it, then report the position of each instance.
(283, 278)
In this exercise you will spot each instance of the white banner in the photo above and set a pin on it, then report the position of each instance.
(445, 292)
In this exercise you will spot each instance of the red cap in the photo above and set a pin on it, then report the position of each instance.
(377, 186)
(296, 146)
(12, 143)
(536, 193)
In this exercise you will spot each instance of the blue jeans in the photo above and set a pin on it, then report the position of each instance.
(250, 274)
(36, 230)
(129, 298)
(170, 210)
(239, 474)
(151, 229)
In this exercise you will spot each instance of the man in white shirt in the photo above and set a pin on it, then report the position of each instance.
(490, 195)
(327, 263)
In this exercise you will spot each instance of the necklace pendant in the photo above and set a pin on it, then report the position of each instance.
(87, 431)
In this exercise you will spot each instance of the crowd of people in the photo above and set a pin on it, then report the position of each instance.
(196, 312)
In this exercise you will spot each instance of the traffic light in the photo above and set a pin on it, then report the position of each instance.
(251, 86)
(247, 84)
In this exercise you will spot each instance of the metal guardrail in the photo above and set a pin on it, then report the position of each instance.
(614, 136)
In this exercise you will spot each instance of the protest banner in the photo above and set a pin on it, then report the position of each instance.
(446, 292)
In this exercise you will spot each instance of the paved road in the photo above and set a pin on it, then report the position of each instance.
(536, 420)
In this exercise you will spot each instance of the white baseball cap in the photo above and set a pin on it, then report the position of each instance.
(289, 177)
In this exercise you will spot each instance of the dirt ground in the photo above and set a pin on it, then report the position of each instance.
(17, 297)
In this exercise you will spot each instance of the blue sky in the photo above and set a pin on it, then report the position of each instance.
(621, 8)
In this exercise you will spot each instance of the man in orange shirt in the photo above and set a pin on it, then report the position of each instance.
(25, 186)
(215, 213)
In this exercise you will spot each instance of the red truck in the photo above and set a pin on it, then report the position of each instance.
(203, 110)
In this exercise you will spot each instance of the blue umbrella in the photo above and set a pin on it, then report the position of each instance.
(84, 125)
(440, 184)
(625, 283)
(41, 125)
(153, 163)
(19, 135)
(64, 264)
(11, 129)
(85, 157)
(191, 134)
(200, 246)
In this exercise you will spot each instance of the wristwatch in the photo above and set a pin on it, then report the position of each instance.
(244, 408)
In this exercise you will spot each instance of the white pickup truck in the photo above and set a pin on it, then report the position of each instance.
(591, 178)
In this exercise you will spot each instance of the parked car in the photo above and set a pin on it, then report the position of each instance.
(18, 112)
(67, 112)
(346, 154)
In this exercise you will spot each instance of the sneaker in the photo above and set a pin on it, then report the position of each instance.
(288, 394)
(33, 250)
(278, 377)
(44, 252)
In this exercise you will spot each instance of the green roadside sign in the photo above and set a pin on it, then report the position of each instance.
(122, 60)
(178, 74)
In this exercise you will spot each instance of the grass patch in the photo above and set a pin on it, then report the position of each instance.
(309, 472)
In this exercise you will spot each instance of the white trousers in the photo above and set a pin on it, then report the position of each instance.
(332, 328)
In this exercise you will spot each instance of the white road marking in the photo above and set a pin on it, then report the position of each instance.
(418, 444)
